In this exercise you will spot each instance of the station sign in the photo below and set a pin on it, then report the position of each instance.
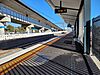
(61, 10)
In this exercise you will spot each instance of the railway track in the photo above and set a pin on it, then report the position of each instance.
(6, 67)
(10, 50)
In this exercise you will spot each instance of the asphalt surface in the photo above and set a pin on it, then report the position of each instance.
(60, 58)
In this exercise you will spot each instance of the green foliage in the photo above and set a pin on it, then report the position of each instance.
(21, 29)
(10, 28)
(17, 29)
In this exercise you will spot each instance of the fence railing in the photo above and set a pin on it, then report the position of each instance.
(26, 35)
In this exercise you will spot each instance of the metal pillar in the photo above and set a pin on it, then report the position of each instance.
(87, 15)
(77, 28)
(2, 29)
(87, 38)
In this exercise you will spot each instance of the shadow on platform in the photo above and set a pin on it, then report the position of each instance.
(66, 61)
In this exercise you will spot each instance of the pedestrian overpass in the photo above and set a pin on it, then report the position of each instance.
(23, 15)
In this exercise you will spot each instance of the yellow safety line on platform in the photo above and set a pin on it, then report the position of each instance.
(4, 68)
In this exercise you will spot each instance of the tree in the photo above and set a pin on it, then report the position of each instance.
(20, 29)
(17, 29)
(10, 28)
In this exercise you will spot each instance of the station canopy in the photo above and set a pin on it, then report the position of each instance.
(72, 7)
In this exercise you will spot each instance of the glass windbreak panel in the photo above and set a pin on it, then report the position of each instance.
(96, 37)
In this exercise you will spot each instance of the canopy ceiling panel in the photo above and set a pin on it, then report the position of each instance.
(69, 21)
(69, 17)
(72, 7)
(67, 3)
(72, 12)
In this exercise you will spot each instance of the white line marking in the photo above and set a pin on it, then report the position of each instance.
(12, 56)
(96, 61)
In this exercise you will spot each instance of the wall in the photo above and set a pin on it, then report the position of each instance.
(81, 25)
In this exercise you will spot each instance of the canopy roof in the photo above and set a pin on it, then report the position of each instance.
(72, 6)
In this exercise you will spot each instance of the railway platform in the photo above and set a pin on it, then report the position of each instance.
(57, 57)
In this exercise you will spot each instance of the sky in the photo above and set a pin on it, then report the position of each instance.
(95, 8)
(42, 7)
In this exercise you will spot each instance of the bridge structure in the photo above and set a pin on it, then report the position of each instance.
(17, 12)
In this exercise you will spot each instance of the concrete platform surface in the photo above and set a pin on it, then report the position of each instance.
(60, 58)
